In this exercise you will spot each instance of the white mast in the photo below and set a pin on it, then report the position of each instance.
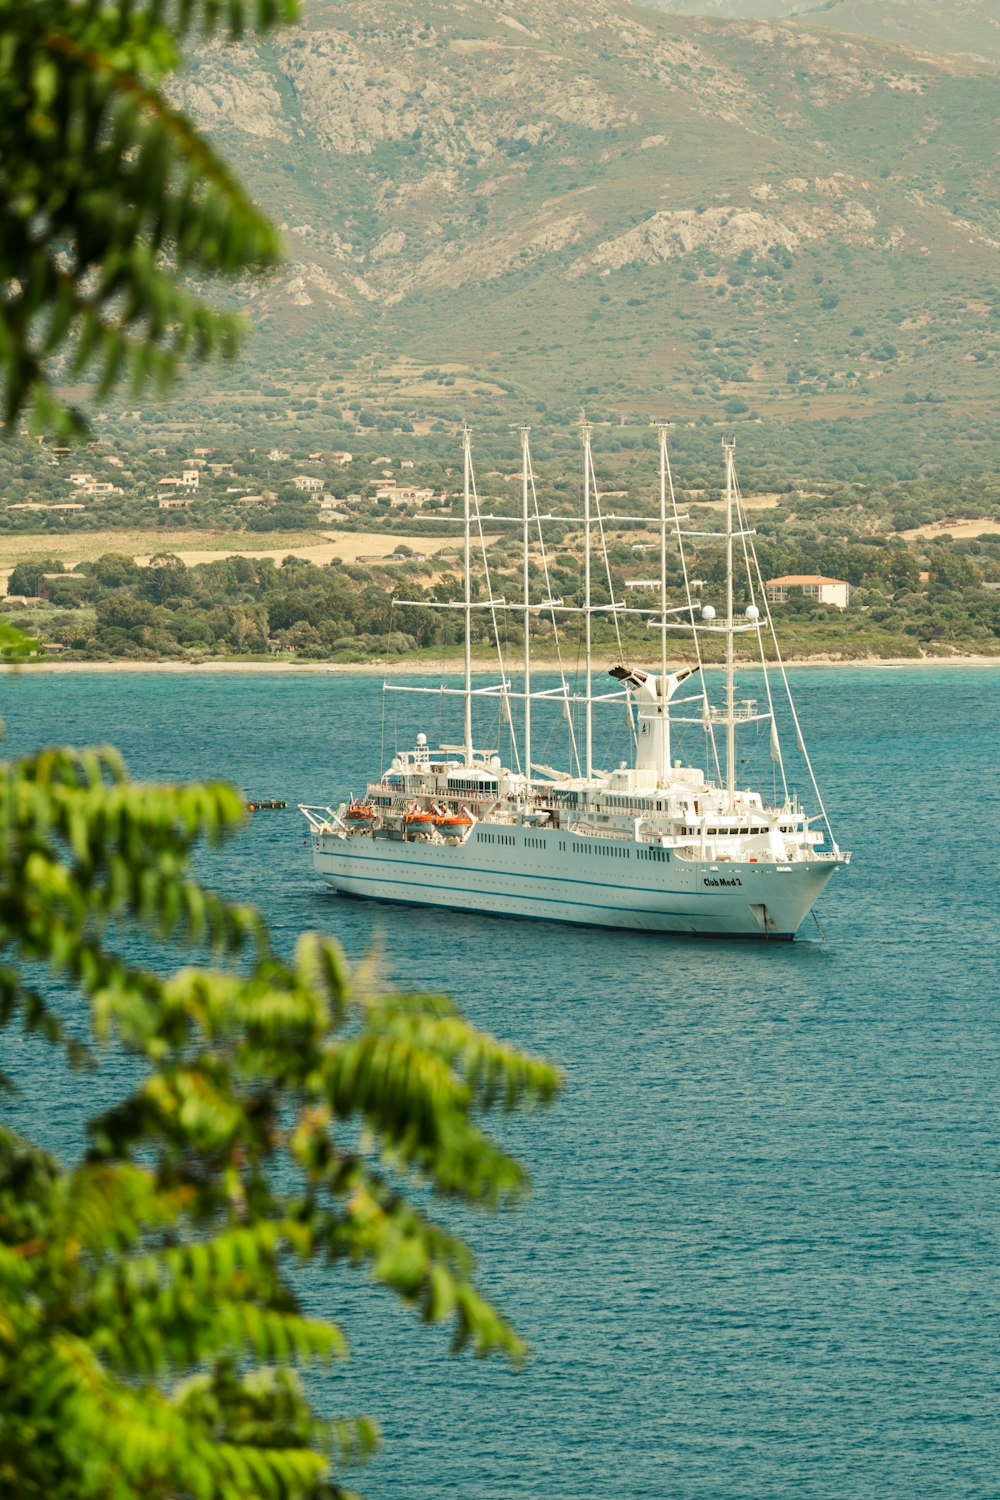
(664, 706)
(585, 429)
(525, 470)
(467, 476)
(730, 681)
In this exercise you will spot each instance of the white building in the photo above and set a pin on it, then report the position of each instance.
(307, 482)
(833, 591)
(189, 481)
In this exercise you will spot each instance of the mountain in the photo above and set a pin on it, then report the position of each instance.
(970, 28)
(492, 206)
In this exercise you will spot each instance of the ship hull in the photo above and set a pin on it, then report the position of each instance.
(557, 876)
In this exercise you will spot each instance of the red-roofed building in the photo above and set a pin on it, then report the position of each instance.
(813, 585)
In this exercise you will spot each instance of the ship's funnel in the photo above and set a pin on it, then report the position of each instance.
(646, 685)
(652, 751)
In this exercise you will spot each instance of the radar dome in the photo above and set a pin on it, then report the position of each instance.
(753, 613)
(421, 740)
(708, 613)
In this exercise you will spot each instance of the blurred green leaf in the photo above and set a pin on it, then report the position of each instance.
(149, 1329)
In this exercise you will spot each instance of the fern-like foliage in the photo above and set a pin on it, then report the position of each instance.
(110, 198)
(150, 1339)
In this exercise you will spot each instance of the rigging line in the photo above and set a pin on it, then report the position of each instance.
(611, 593)
(574, 752)
(385, 679)
(791, 703)
(505, 699)
(706, 707)
(743, 520)
(493, 615)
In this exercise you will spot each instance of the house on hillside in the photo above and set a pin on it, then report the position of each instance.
(411, 495)
(189, 480)
(307, 482)
(342, 456)
(41, 505)
(175, 502)
(97, 487)
(833, 591)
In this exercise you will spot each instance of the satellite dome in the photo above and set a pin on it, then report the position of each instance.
(421, 740)
(708, 612)
(753, 613)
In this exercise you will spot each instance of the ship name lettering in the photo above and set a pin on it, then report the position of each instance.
(722, 880)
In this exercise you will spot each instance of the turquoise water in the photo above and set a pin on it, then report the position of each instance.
(761, 1255)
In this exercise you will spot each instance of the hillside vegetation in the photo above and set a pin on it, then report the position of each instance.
(920, 588)
(968, 27)
(497, 211)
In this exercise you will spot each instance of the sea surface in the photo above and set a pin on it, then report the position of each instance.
(761, 1255)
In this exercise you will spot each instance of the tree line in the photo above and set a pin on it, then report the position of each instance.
(114, 609)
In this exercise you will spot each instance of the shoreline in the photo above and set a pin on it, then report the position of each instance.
(447, 668)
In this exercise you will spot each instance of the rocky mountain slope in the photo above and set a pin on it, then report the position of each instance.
(968, 27)
(550, 202)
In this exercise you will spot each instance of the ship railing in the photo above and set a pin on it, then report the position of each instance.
(743, 713)
(609, 836)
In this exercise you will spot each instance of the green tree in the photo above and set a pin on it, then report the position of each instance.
(150, 1336)
(111, 200)
(25, 576)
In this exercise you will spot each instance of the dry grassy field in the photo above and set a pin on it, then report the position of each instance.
(193, 546)
(961, 529)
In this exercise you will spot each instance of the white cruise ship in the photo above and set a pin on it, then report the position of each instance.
(660, 844)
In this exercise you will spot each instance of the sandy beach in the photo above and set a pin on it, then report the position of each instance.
(408, 667)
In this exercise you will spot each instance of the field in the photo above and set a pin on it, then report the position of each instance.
(960, 528)
(204, 546)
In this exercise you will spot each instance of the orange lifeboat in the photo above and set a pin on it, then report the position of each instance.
(359, 812)
(420, 819)
(453, 820)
